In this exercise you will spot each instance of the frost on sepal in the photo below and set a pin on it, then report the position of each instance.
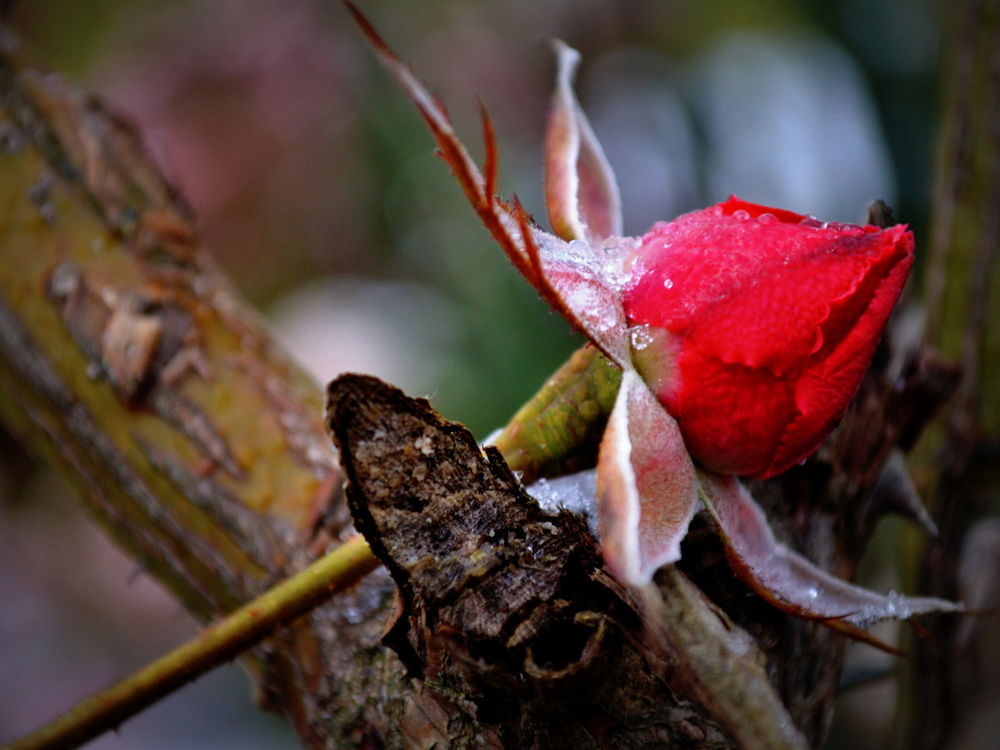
(788, 580)
(583, 285)
(647, 489)
(580, 281)
(581, 193)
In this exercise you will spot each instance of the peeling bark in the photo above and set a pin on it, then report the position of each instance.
(508, 619)
(129, 363)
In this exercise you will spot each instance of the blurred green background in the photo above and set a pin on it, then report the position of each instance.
(315, 184)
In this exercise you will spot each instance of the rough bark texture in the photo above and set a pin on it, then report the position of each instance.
(506, 615)
(950, 687)
(129, 363)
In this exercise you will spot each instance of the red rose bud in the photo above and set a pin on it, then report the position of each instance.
(755, 326)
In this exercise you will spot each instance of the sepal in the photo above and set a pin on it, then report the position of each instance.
(581, 192)
(647, 489)
(791, 582)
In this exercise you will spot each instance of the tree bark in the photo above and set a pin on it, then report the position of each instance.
(129, 363)
(947, 687)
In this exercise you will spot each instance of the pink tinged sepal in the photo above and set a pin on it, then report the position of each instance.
(581, 193)
(579, 281)
(647, 488)
(792, 583)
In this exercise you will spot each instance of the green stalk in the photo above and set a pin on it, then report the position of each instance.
(214, 646)
(559, 428)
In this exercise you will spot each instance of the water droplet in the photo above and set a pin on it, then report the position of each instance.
(741, 214)
(813, 223)
(640, 337)
(668, 283)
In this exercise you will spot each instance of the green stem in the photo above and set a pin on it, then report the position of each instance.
(216, 645)
(559, 428)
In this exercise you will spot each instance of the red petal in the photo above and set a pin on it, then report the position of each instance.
(647, 490)
(755, 210)
(732, 417)
(828, 384)
(750, 291)
(774, 323)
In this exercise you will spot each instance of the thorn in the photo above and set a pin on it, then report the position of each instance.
(859, 676)
(863, 636)
(490, 168)
(922, 632)
(880, 214)
(368, 30)
(895, 493)
(531, 247)
(440, 104)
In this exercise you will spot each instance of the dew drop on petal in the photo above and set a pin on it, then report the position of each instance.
(668, 283)
(614, 269)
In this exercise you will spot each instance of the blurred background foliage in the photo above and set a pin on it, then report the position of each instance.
(314, 182)
(315, 185)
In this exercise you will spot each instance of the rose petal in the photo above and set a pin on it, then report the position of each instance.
(759, 292)
(735, 415)
(647, 489)
(773, 319)
(581, 193)
(789, 581)
(830, 381)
